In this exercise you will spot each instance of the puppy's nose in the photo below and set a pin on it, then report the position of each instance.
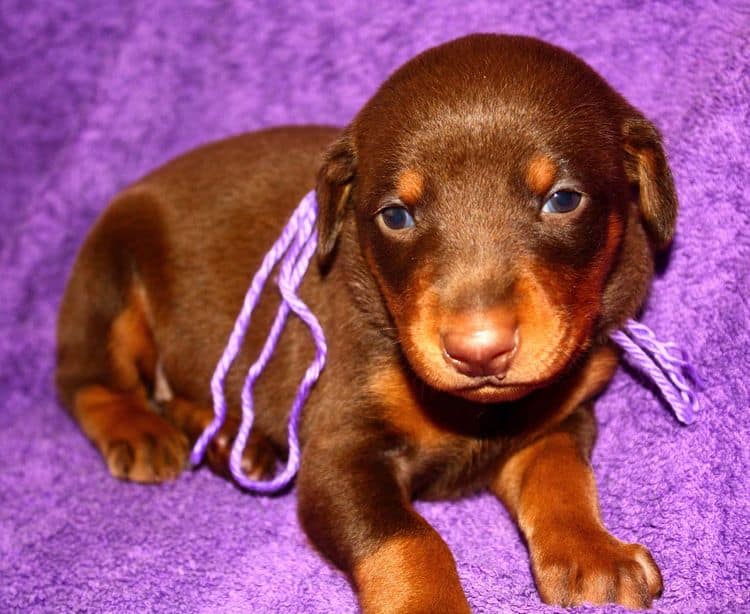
(487, 350)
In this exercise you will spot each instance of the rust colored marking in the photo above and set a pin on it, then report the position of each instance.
(403, 409)
(131, 344)
(420, 336)
(556, 464)
(96, 408)
(410, 185)
(544, 344)
(548, 486)
(190, 417)
(540, 174)
(258, 458)
(412, 573)
(551, 492)
(590, 291)
(549, 335)
(415, 315)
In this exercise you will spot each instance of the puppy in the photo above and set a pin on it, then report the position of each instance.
(485, 221)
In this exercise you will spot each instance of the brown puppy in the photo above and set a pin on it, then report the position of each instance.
(485, 221)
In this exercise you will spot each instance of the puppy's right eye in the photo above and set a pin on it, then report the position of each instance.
(396, 218)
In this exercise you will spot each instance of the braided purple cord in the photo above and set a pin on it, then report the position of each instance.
(291, 273)
(665, 363)
(237, 337)
(299, 234)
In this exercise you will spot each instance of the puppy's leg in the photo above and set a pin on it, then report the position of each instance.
(549, 488)
(357, 514)
(259, 457)
(106, 355)
(114, 412)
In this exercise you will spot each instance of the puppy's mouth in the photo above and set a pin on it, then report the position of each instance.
(493, 389)
(488, 381)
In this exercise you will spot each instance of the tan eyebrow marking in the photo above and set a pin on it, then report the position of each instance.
(540, 174)
(410, 185)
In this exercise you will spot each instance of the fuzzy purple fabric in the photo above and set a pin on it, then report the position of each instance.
(96, 93)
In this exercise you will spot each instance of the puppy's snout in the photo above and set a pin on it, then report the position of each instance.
(480, 346)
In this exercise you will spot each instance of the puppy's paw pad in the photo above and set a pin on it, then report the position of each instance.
(598, 569)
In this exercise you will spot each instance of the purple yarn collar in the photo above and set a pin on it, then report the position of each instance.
(295, 246)
(666, 364)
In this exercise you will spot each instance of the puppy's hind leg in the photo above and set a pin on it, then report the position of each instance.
(106, 354)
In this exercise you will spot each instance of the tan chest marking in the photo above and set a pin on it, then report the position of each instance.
(404, 410)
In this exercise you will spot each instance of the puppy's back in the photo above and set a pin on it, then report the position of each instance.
(211, 213)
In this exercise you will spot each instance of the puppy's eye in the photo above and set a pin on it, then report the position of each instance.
(396, 218)
(562, 202)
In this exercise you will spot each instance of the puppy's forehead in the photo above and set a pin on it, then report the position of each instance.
(512, 98)
(514, 154)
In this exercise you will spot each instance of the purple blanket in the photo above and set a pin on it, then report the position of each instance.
(93, 94)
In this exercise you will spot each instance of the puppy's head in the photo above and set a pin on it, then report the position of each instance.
(507, 203)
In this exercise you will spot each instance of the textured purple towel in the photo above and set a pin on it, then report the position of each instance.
(93, 94)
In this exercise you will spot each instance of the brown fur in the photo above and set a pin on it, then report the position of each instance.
(470, 137)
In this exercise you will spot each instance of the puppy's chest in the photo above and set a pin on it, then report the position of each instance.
(455, 467)
(446, 449)
(450, 447)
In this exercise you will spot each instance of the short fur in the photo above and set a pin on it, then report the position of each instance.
(472, 136)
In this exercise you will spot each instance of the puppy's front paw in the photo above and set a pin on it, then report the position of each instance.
(141, 446)
(593, 567)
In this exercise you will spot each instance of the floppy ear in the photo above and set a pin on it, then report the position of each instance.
(333, 189)
(646, 167)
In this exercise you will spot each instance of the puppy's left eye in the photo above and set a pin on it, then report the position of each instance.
(562, 202)
(397, 218)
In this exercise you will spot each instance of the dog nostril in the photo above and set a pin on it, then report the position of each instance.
(481, 352)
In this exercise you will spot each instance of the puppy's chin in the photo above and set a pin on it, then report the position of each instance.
(491, 393)
(477, 390)
(516, 384)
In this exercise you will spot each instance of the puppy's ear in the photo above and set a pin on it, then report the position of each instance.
(333, 189)
(647, 169)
